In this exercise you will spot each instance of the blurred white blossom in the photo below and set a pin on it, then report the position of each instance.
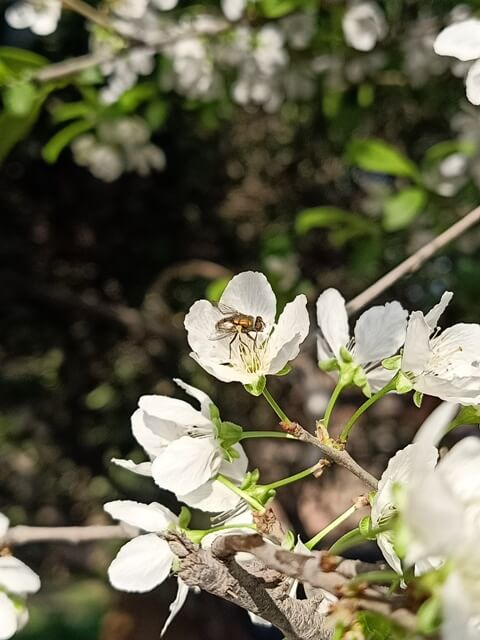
(40, 16)
(364, 25)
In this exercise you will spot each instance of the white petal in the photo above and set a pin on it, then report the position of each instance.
(461, 616)
(171, 410)
(472, 82)
(177, 604)
(199, 395)
(202, 336)
(433, 316)
(152, 443)
(258, 621)
(380, 332)
(460, 40)
(289, 333)
(434, 427)
(401, 470)
(460, 469)
(141, 469)
(16, 577)
(463, 390)
(388, 551)
(416, 351)
(236, 469)
(211, 496)
(20, 15)
(333, 320)
(378, 377)
(224, 372)
(4, 524)
(458, 351)
(251, 293)
(186, 464)
(151, 517)
(8, 617)
(141, 564)
(165, 5)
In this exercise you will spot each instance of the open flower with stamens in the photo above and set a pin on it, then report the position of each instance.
(239, 339)
(379, 333)
(443, 364)
(188, 448)
(16, 581)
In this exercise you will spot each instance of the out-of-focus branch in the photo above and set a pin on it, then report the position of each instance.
(414, 262)
(22, 534)
(88, 12)
(337, 455)
(70, 67)
(262, 591)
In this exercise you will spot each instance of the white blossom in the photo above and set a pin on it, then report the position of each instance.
(16, 582)
(194, 71)
(364, 25)
(299, 29)
(233, 9)
(247, 358)
(40, 16)
(186, 451)
(443, 364)
(379, 333)
(146, 561)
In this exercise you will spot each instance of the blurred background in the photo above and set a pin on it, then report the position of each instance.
(333, 182)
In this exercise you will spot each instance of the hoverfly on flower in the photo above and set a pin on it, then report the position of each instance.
(235, 324)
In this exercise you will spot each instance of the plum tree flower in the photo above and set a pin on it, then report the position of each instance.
(439, 507)
(16, 581)
(364, 25)
(40, 16)
(379, 333)
(246, 356)
(461, 40)
(188, 448)
(146, 561)
(443, 364)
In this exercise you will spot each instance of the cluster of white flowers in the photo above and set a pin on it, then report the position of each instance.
(437, 505)
(41, 16)
(16, 582)
(119, 145)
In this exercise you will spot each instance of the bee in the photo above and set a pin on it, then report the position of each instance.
(235, 324)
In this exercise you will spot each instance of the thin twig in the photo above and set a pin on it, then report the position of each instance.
(85, 10)
(414, 262)
(71, 66)
(21, 534)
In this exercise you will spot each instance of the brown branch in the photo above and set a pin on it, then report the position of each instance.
(414, 262)
(339, 456)
(70, 67)
(21, 534)
(252, 587)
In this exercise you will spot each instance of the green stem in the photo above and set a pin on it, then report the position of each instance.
(368, 403)
(331, 403)
(266, 434)
(255, 504)
(330, 527)
(291, 479)
(272, 402)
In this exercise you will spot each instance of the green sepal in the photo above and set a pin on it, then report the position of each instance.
(288, 541)
(429, 616)
(328, 365)
(231, 454)
(418, 398)
(392, 363)
(251, 478)
(229, 434)
(214, 412)
(467, 415)
(262, 493)
(365, 528)
(285, 371)
(184, 517)
(257, 388)
(345, 354)
(402, 383)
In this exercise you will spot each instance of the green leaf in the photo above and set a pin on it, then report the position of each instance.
(442, 150)
(288, 541)
(402, 208)
(60, 140)
(14, 128)
(379, 157)
(257, 388)
(71, 111)
(278, 8)
(215, 289)
(377, 627)
(156, 113)
(131, 99)
(19, 98)
(329, 217)
(467, 415)
(18, 60)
